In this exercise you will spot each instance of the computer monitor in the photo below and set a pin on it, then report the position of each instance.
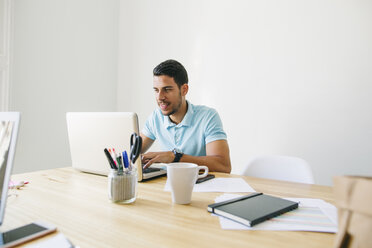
(9, 123)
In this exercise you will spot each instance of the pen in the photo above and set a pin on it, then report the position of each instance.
(109, 158)
(125, 159)
(117, 159)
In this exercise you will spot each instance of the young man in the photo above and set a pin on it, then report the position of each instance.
(186, 132)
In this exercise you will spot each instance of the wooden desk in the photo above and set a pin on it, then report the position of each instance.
(77, 203)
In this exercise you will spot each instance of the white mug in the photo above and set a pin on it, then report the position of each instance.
(182, 178)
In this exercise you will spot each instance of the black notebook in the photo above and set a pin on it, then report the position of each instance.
(252, 209)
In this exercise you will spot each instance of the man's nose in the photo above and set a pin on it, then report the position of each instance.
(161, 95)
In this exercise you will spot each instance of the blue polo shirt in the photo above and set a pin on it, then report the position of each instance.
(199, 126)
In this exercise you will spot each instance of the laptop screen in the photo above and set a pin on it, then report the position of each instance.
(89, 133)
(9, 122)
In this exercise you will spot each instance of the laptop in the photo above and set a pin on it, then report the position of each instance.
(9, 123)
(89, 133)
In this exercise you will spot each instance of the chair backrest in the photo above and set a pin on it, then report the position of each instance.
(284, 168)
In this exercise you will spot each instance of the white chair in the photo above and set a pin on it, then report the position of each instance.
(284, 168)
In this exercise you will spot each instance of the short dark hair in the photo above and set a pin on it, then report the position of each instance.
(173, 69)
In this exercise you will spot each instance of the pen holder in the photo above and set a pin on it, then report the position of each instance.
(122, 186)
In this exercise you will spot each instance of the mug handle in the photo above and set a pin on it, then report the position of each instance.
(206, 170)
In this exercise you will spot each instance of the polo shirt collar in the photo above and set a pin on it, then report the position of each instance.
(186, 121)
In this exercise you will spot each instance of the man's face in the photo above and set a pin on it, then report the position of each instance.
(168, 95)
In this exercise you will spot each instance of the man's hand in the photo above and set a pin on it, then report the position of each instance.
(157, 157)
(217, 158)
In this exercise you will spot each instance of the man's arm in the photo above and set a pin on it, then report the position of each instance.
(217, 158)
(146, 143)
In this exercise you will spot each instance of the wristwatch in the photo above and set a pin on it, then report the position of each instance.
(177, 154)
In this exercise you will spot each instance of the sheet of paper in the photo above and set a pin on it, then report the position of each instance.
(220, 185)
(312, 215)
(58, 241)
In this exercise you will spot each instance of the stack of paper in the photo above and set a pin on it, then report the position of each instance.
(312, 215)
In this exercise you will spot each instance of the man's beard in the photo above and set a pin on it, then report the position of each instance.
(177, 107)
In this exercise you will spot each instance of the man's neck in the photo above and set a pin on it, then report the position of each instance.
(178, 117)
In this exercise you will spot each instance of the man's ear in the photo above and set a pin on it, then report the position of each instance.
(184, 89)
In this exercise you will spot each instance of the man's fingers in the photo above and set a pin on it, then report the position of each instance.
(149, 163)
(146, 166)
(145, 158)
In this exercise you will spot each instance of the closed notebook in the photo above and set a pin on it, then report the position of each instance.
(252, 209)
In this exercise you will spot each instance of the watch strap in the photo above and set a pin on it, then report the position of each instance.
(177, 155)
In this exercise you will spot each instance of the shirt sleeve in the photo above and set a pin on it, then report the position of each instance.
(148, 129)
(214, 129)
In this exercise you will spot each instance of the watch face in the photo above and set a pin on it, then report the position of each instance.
(177, 150)
(177, 154)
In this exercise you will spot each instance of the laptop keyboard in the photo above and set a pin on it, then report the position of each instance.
(150, 169)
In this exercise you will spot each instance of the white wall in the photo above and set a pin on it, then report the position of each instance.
(287, 77)
(5, 48)
(65, 59)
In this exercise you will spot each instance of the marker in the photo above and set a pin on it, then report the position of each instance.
(109, 158)
(125, 159)
(113, 158)
(114, 152)
(118, 158)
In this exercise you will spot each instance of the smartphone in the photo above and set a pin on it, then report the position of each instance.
(208, 177)
(25, 233)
